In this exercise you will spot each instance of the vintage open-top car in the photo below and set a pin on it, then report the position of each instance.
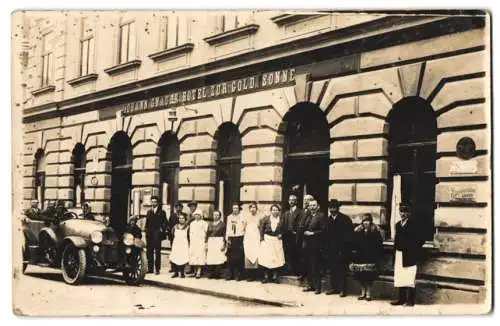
(81, 247)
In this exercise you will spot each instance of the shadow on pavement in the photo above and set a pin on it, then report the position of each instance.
(107, 280)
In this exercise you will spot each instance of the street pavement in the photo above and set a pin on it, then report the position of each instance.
(42, 292)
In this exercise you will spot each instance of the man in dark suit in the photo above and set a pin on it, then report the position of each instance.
(314, 226)
(408, 243)
(33, 212)
(87, 212)
(156, 227)
(302, 254)
(291, 219)
(338, 247)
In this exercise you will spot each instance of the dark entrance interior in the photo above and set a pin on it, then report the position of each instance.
(78, 159)
(228, 166)
(306, 154)
(121, 180)
(169, 169)
(40, 178)
(412, 155)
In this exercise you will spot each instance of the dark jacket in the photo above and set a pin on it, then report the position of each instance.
(135, 231)
(216, 230)
(338, 238)
(316, 224)
(408, 240)
(156, 224)
(265, 227)
(291, 219)
(172, 222)
(368, 246)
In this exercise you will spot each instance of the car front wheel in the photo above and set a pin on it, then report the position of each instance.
(73, 264)
(135, 274)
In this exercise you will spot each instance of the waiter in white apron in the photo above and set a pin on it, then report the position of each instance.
(407, 246)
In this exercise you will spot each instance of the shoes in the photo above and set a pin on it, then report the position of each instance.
(308, 289)
(362, 297)
(330, 292)
(317, 292)
(368, 299)
(175, 275)
(157, 273)
(150, 271)
(342, 294)
(275, 280)
(301, 278)
(264, 281)
(182, 276)
(401, 297)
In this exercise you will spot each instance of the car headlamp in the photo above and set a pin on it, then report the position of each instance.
(128, 239)
(96, 237)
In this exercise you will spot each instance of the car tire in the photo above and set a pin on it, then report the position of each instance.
(25, 258)
(136, 274)
(73, 264)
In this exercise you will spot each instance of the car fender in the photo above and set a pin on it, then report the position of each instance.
(76, 241)
(47, 233)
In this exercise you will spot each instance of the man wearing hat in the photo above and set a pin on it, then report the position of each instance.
(337, 247)
(407, 246)
(156, 228)
(33, 212)
(87, 212)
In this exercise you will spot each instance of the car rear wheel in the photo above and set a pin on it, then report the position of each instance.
(73, 264)
(135, 274)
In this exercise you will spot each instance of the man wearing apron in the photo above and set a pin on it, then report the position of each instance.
(407, 245)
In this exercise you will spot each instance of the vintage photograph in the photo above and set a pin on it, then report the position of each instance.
(251, 162)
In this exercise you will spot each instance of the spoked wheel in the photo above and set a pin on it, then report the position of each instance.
(73, 264)
(135, 274)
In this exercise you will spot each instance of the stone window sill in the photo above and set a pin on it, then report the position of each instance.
(122, 67)
(285, 19)
(232, 34)
(43, 90)
(172, 52)
(82, 79)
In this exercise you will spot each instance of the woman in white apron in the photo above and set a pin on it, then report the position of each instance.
(197, 246)
(251, 242)
(271, 254)
(179, 255)
(407, 245)
(216, 245)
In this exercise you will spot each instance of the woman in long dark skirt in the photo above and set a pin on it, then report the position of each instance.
(369, 248)
(235, 230)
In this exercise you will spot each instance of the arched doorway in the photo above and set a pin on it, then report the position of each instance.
(78, 159)
(169, 170)
(412, 159)
(228, 167)
(120, 150)
(40, 177)
(306, 154)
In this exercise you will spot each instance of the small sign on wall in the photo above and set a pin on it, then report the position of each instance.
(463, 194)
(463, 167)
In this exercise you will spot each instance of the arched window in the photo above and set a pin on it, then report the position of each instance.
(120, 149)
(169, 169)
(412, 161)
(228, 166)
(306, 154)
(78, 159)
(40, 177)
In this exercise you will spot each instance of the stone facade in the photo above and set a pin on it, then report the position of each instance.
(448, 67)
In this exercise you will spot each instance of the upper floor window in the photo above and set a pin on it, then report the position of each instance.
(86, 49)
(171, 39)
(47, 60)
(127, 42)
(228, 22)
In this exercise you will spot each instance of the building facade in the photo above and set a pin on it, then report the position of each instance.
(371, 109)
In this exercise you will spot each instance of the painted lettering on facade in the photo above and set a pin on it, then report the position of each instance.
(211, 92)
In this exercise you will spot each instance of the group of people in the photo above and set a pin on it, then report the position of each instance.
(300, 241)
(55, 211)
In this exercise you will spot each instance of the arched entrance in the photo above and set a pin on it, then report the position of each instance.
(228, 167)
(169, 170)
(120, 150)
(412, 159)
(306, 154)
(78, 159)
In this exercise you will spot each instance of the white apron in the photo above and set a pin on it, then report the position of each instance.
(197, 246)
(271, 253)
(180, 247)
(215, 253)
(403, 276)
(251, 240)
